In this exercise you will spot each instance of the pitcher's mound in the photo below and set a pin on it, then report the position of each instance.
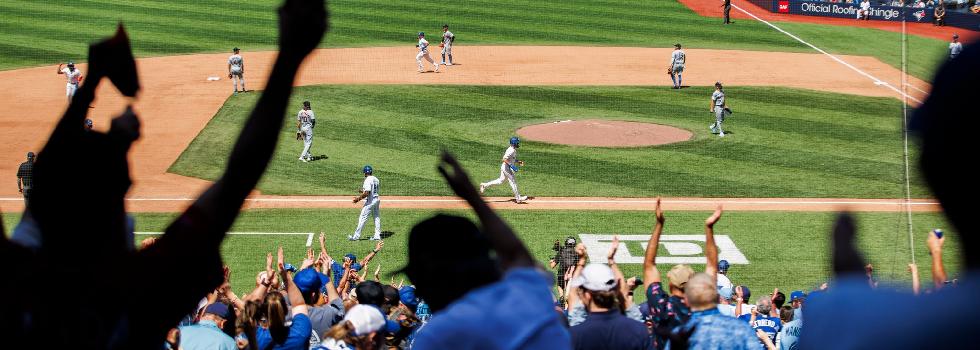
(604, 133)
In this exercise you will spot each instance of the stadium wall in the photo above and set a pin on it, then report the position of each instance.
(878, 13)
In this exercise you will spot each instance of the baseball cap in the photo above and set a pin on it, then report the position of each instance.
(218, 309)
(679, 274)
(30, 155)
(595, 277)
(445, 26)
(352, 257)
(725, 292)
(366, 319)
(308, 280)
(796, 294)
(236, 49)
(407, 297)
(746, 293)
(717, 83)
(306, 103)
(370, 292)
(723, 266)
(677, 45)
(392, 296)
(88, 122)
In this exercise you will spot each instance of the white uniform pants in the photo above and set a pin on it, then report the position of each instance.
(425, 53)
(236, 76)
(505, 173)
(372, 207)
(447, 49)
(307, 142)
(70, 90)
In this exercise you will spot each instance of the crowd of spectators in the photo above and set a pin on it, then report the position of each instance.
(475, 286)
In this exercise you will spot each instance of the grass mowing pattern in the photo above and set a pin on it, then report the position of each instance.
(789, 250)
(160, 28)
(781, 142)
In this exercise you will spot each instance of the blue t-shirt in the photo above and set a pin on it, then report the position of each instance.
(770, 325)
(516, 312)
(298, 337)
(205, 335)
(338, 272)
(712, 330)
(610, 330)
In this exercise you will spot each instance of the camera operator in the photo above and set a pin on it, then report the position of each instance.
(564, 259)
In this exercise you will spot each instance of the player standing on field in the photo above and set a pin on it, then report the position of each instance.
(305, 121)
(955, 47)
(447, 44)
(74, 77)
(372, 205)
(677, 65)
(236, 67)
(728, 8)
(25, 178)
(507, 170)
(719, 106)
(423, 46)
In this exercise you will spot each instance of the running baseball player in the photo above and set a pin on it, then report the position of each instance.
(719, 106)
(676, 65)
(236, 68)
(305, 122)
(74, 77)
(955, 47)
(424, 52)
(507, 170)
(447, 44)
(372, 205)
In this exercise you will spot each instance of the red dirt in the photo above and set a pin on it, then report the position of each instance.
(604, 133)
(709, 8)
(177, 100)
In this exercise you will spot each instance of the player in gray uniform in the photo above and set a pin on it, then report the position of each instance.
(236, 68)
(447, 44)
(719, 106)
(955, 47)
(677, 65)
(305, 121)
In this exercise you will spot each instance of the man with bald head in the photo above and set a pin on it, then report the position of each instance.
(711, 329)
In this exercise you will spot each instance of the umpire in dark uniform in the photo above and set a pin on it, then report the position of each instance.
(728, 7)
(25, 178)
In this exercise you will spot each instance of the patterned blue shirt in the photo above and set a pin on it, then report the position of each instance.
(713, 330)
(768, 324)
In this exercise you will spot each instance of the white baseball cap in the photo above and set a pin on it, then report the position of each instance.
(366, 319)
(595, 277)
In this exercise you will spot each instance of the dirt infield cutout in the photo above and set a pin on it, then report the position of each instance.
(604, 133)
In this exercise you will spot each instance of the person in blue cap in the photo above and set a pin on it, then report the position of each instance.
(207, 333)
(311, 284)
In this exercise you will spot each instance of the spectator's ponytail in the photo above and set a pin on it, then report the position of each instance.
(621, 302)
(344, 331)
(275, 312)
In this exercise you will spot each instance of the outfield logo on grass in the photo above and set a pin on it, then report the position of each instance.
(675, 249)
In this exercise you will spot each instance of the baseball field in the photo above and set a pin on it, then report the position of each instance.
(812, 133)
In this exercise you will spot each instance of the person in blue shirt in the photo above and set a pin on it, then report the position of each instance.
(207, 334)
(273, 333)
(760, 319)
(707, 328)
(492, 301)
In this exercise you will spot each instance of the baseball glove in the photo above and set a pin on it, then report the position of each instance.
(442, 45)
(299, 135)
(229, 75)
(728, 110)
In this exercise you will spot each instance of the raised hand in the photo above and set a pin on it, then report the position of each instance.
(279, 263)
(612, 250)
(659, 212)
(269, 271)
(347, 263)
(309, 261)
(380, 245)
(710, 222)
(302, 24)
(459, 181)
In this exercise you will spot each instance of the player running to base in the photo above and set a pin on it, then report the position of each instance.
(305, 121)
(74, 77)
(424, 52)
(507, 170)
(372, 205)
(676, 65)
(236, 68)
(720, 107)
(447, 44)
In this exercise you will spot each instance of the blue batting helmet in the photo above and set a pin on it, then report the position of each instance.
(71, 64)
(368, 169)
(514, 141)
(421, 33)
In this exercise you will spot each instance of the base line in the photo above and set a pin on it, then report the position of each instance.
(309, 238)
(457, 200)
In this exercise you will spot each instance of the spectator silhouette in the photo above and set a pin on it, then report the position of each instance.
(84, 226)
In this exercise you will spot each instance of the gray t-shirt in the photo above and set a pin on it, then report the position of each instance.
(324, 317)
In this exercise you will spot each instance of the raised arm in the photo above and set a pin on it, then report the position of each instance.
(295, 296)
(259, 292)
(915, 278)
(572, 294)
(367, 259)
(302, 24)
(510, 250)
(935, 245)
(610, 258)
(650, 273)
(710, 248)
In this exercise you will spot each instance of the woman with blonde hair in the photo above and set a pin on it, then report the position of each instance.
(364, 328)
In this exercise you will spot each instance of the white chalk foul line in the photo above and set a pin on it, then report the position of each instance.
(309, 235)
(876, 80)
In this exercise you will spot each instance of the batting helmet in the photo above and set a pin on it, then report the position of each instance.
(71, 64)
(88, 122)
(514, 141)
(30, 155)
(306, 103)
(956, 36)
(368, 169)
(421, 33)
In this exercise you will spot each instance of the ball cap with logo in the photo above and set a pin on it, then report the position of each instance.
(595, 277)
(366, 319)
(723, 266)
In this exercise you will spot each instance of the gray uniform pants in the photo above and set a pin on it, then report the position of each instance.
(719, 117)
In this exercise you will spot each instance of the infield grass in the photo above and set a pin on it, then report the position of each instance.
(815, 144)
(788, 250)
(177, 27)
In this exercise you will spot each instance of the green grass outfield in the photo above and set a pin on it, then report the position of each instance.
(781, 142)
(45, 32)
(788, 250)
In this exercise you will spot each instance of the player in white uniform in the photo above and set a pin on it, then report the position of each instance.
(718, 106)
(955, 47)
(236, 67)
(372, 205)
(677, 65)
(305, 121)
(447, 44)
(424, 52)
(864, 11)
(74, 77)
(507, 169)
